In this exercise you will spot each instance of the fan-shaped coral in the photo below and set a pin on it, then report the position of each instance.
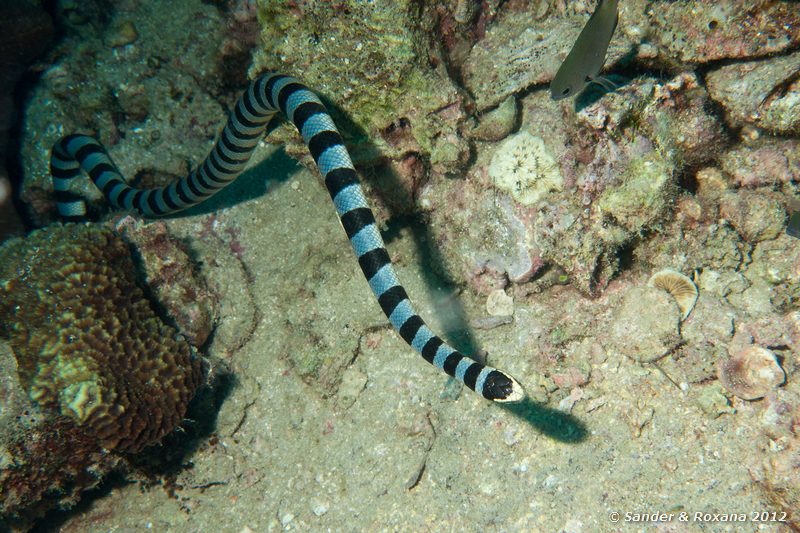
(88, 343)
(679, 286)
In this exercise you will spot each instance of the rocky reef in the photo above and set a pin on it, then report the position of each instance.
(391, 91)
(173, 279)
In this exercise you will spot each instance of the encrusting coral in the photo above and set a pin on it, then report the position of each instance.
(87, 342)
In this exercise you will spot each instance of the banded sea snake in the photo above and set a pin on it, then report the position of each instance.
(264, 97)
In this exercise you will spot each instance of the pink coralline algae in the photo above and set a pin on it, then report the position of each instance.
(172, 277)
(751, 373)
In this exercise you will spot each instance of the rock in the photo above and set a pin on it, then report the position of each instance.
(762, 93)
(713, 321)
(497, 124)
(353, 382)
(710, 180)
(757, 215)
(377, 71)
(645, 325)
(777, 263)
(642, 195)
(713, 401)
(485, 255)
(121, 34)
(515, 55)
(696, 31)
(678, 116)
(499, 303)
(173, 278)
(765, 164)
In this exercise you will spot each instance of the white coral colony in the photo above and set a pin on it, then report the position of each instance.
(679, 286)
(523, 167)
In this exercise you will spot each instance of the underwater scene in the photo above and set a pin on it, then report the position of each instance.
(408, 265)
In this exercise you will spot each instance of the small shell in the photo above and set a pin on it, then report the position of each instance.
(679, 286)
(751, 373)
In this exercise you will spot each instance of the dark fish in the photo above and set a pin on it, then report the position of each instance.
(588, 54)
(793, 228)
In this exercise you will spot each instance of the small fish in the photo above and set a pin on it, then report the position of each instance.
(793, 228)
(582, 65)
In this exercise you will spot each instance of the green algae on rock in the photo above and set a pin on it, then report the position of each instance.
(88, 343)
(497, 124)
(392, 91)
(643, 194)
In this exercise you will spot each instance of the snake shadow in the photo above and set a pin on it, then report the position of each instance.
(555, 424)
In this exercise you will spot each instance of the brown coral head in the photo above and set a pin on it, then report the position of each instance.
(87, 341)
(682, 289)
(751, 373)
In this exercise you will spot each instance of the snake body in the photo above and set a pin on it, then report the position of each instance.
(265, 96)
